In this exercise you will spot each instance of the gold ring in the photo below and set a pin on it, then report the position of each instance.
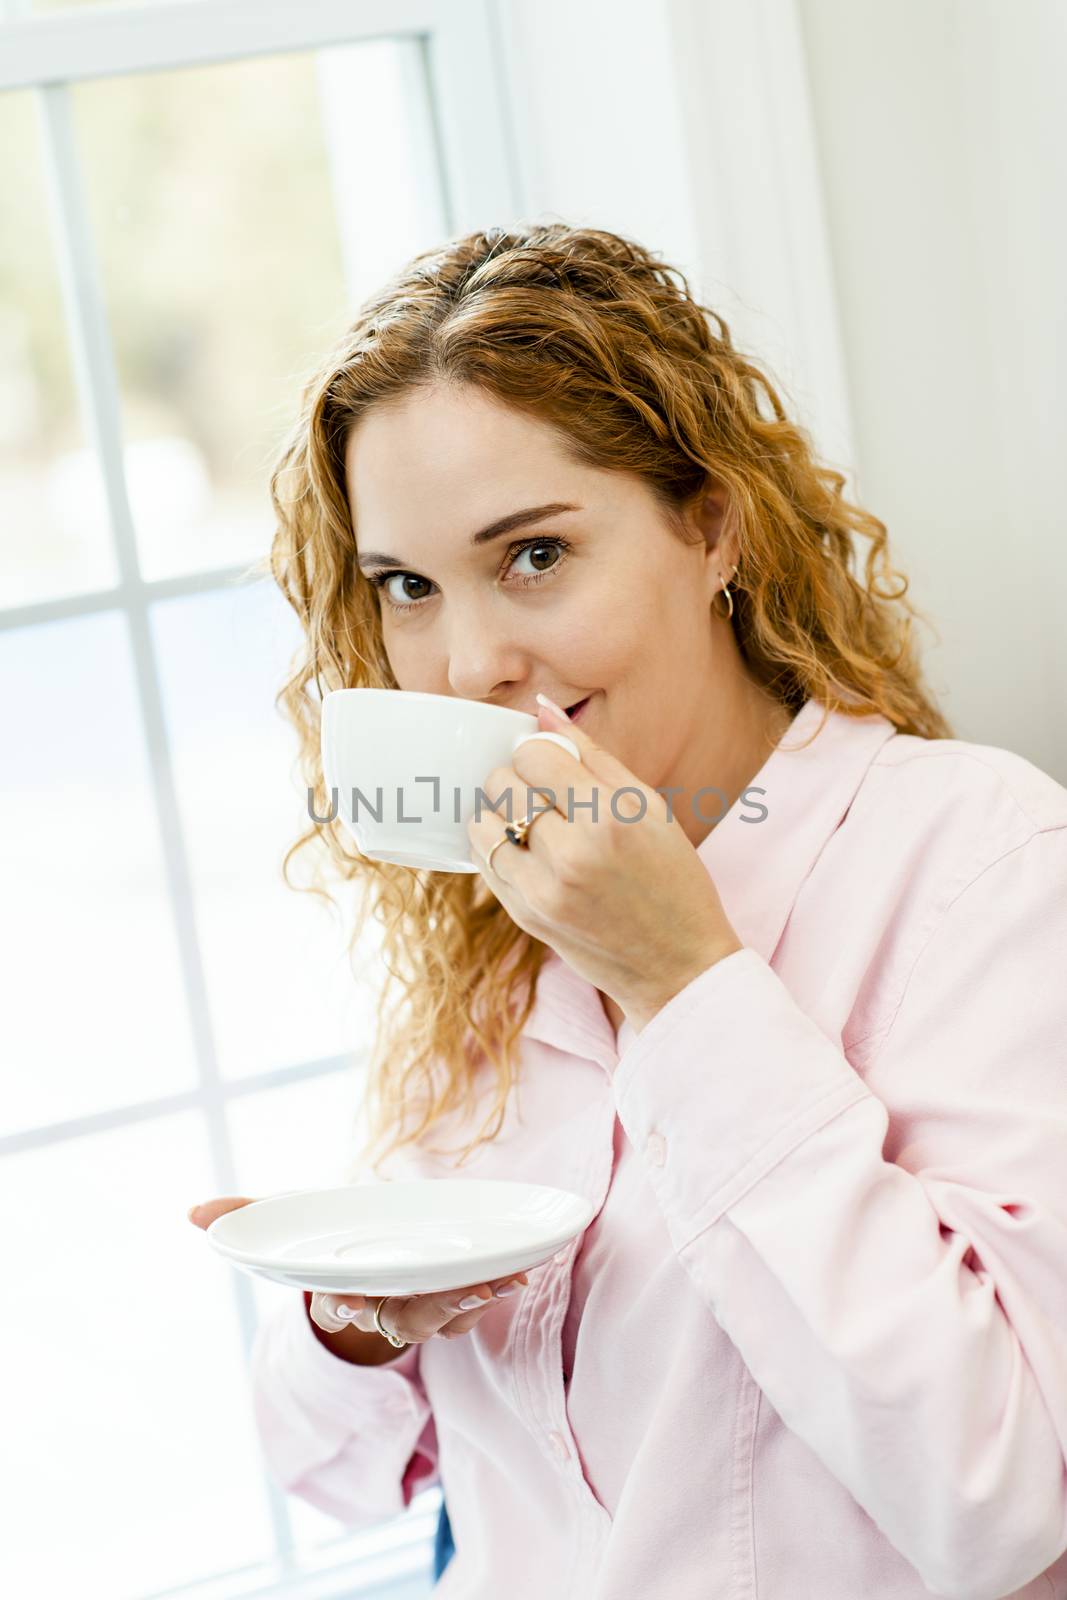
(489, 858)
(398, 1344)
(515, 833)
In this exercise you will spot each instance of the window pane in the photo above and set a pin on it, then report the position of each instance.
(54, 533)
(280, 982)
(303, 1135)
(240, 212)
(213, 216)
(132, 1462)
(387, 190)
(95, 1013)
(298, 1136)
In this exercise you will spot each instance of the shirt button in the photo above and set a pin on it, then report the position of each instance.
(656, 1149)
(559, 1446)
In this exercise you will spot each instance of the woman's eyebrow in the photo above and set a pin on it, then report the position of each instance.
(495, 530)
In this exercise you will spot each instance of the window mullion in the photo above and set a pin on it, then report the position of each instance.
(228, 1090)
(92, 601)
(107, 41)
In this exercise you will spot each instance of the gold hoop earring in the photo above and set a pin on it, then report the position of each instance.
(728, 615)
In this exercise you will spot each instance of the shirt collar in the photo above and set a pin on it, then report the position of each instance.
(757, 863)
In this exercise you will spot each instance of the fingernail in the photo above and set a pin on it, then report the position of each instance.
(552, 706)
(506, 1288)
(191, 1213)
(344, 1312)
(471, 1302)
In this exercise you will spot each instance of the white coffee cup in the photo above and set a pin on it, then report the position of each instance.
(404, 770)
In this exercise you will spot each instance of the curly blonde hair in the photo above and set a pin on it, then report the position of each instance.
(591, 333)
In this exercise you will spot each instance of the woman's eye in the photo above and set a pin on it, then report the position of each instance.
(538, 549)
(401, 599)
(381, 580)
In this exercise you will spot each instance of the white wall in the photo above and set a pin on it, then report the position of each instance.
(874, 196)
(595, 103)
(942, 129)
(686, 124)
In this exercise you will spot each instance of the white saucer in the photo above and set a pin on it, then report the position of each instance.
(400, 1238)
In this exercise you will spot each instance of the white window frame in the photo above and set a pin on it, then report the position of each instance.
(465, 73)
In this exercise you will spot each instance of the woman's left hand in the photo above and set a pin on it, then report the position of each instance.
(628, 904)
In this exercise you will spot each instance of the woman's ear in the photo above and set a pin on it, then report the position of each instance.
(709, 515)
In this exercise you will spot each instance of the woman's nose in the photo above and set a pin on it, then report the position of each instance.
(480, 661)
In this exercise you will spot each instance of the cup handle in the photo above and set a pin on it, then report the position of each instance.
(557, 738)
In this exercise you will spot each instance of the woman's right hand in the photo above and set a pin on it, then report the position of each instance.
(413, 1318)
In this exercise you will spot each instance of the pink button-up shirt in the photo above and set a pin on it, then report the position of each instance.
(814, 1342)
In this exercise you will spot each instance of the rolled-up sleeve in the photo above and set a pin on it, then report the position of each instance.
(355, 1442)
(887, 1247)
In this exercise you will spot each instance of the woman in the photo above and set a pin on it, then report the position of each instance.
(789, 1014)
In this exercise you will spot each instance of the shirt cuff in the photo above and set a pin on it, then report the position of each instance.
(309, 1402)
(724, 1081)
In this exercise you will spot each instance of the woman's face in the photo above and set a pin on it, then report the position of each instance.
(583, 592)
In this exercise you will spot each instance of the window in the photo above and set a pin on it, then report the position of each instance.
(195, 197)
